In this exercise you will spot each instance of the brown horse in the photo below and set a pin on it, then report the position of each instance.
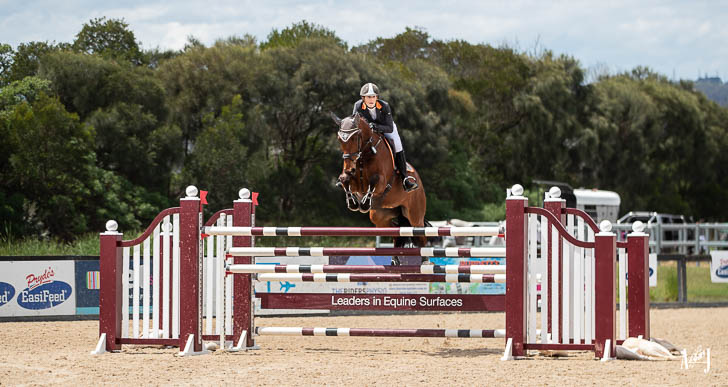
(370, 182)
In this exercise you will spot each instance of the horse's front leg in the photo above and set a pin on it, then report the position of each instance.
(344, 182)
(366, 200)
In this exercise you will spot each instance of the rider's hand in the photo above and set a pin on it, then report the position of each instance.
(373, 126)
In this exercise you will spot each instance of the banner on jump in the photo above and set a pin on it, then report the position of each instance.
(391, 302)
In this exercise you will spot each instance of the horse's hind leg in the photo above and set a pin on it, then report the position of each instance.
(415, 214)
(384, 218)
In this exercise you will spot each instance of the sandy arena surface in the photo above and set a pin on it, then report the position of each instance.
(58, 353)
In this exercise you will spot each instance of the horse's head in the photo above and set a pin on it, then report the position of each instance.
(354, 135)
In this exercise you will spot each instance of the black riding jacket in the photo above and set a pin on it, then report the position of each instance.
(384, 122)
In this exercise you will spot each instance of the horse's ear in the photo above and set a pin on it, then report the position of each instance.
(336, 119)
(357, 117)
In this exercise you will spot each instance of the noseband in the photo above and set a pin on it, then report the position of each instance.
(345, 135)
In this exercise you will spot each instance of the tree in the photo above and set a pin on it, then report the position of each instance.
(298, 86)
(110, 38)
(203, 80)
(26, 90)
(413, 43)
(226, 156)
(6, 63)
(48, 164)
(298, 32)
(26, 59)
(85, 83)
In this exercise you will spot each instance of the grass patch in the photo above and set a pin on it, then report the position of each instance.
(87, 244)
(700, 289)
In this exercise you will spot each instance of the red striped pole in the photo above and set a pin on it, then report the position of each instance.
(384, 277)
(355, 231)
(404, 251)
(419, 269)
(373, 332)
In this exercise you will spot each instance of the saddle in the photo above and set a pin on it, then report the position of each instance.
(390, 147)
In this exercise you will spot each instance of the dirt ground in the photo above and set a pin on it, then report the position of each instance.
(40, 353)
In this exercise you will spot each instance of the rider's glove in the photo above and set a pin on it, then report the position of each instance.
(373, 127)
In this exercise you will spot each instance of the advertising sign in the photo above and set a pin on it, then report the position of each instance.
(467, 288)
(87, 287)
(287, 286)
(719, 266)
(39, 288)
(653, 270)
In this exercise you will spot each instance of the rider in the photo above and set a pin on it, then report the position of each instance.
(379, 115)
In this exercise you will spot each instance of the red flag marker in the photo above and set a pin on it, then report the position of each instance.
(255, 198)
(203, 199)
(203, 235)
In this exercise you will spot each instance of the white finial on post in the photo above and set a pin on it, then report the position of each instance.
(638, 226)
(112, 226)
(191, 191)
(517, 190)
(605, 226)
(244, 193)
(555, 192)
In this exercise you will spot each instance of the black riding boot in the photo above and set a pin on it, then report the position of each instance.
(408, 182)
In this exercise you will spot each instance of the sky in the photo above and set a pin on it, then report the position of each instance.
(679, 39)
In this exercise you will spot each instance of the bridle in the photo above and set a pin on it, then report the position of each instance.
(363, 150)
(345, 136)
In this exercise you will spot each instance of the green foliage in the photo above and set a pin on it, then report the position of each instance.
(299, 32)
(51, 169)
(26, 59)
(109, 38)
(6, 63)
(127, 143)
(101, 130)
(88, 82)
(49, 153)
(227, 156)
(202, 81)
(26, 89)
(86, 244)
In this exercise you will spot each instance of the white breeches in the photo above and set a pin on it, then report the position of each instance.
(394, 139)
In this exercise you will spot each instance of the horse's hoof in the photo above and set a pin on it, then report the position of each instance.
(426, 261)
(352, 205)
(395, 261)
(365, 207)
